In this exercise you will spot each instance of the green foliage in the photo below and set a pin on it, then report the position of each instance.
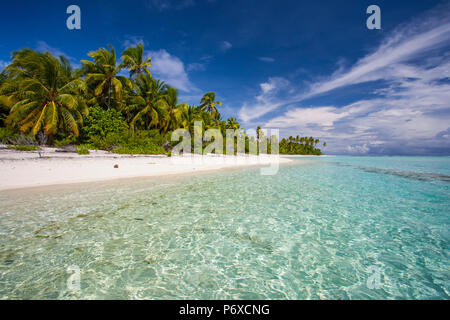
(148, 148)
(24, 148)
(6, 135)
(301, 146)
(65, 141)
(111, 141)
(83, 150)
(133, 60)
(43, 97)
(143, 142)
(100, 124)
(43, 94)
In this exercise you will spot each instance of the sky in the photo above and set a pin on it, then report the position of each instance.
(308, 68)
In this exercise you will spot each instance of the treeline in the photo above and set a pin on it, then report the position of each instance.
(301, 145)
(44, 100)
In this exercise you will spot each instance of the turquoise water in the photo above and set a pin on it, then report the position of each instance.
(323, 228)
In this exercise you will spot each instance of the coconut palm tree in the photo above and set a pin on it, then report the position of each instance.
(174, 109)
(209, 103)
(46, 96)
(189, 114)
(149, 103)
(102, 74)
(258, 132)
(233, 124)
(5, 105)
(133, 60)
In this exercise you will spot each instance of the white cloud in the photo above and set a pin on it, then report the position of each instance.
(42, 46)
(3, 64)
(409, 115)
(162, 5)
(397, 49)
(361, 149)
(196, 66)
(266, 59)
(267, 100)
(407, 43)
(170, 69)
(225, 46)
(132, 41)
(301, 117)
(412, 116)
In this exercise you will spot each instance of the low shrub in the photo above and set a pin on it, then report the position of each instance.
(111, 141)
(83, 150)
(102, 123)
(65, 141)
(6, 135)
(24, 148)
(148, 148)
(125, 142)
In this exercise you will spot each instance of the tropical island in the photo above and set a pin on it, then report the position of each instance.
(44, 100)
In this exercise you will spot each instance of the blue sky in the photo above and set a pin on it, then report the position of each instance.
(305, 67)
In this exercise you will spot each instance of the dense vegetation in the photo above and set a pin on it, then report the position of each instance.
(300, 145)
(44, 100)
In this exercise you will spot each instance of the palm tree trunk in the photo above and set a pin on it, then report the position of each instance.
(109, 93)
(50, 139)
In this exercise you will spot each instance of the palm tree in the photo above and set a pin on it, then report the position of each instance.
(149, 102)
(233, 124)
(133, 60)
(102, 73)
(324, 144)
(47, 97)
(209, 103)
(258, 131)
(5, 105)
(189, 114)
(174, 109)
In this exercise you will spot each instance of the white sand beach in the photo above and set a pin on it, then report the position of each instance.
(48, 167)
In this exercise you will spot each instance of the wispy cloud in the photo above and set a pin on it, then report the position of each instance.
(266, 59)
(267, 100)
(397, 49)
(132, 41)
(405, 44)
(196, 66)
(225, 46)
(43, 46)
(409, 114)
(162, 5)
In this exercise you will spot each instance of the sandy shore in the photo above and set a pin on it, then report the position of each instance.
(48, 167)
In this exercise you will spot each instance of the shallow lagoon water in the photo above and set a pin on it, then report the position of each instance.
(321, 228)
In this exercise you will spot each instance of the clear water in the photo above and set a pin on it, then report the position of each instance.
(323, 228)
